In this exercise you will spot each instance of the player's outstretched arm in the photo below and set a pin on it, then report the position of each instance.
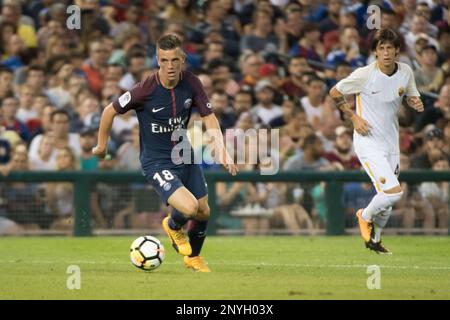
(103, 133)
(361, 126)
(213, 128)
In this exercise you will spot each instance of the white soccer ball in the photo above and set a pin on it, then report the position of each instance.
(147, 253)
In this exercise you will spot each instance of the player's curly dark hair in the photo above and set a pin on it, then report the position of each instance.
(385, 36)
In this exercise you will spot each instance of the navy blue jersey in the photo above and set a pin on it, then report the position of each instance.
(161, 111)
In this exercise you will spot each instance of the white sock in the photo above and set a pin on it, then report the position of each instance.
(377, 233)
(382, 217)
(379, 222)
(379, 203)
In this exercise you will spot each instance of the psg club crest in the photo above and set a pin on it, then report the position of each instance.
(187, 103)
(401, 91)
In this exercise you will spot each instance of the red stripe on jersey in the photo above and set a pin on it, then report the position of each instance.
(174, 108)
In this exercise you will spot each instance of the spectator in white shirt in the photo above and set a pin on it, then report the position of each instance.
(265, 110)
(45, 158)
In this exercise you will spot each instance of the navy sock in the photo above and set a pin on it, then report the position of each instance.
(197, 235)
(177, 220)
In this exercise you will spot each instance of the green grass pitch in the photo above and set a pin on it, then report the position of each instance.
(243, 268)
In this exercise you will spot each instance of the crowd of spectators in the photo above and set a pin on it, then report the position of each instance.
(264, 64)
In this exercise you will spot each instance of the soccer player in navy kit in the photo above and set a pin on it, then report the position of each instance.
(163, 104)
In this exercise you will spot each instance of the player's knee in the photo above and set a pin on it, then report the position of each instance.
(393, 198)
(394, 190)
(203, 213)
(191, 208)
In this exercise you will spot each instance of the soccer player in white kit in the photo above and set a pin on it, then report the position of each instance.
(380, 89)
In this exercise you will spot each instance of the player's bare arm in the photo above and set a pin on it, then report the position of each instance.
(103, 133)
(212, 125)
(361, 126)
(415, 103)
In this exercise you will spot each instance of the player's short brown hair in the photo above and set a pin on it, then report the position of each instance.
(168, 42)
(385, 36)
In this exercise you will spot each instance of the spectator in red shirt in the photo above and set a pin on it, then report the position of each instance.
(95, 66)
(294, 86)
(343, 151)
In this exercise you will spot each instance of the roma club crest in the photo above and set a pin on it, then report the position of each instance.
(401, 91)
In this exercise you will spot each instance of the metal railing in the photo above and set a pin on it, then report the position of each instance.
(333, 191)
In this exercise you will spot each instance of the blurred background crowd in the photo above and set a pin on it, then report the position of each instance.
(264, 64)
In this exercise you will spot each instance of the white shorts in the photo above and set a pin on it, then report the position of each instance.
(382, 168)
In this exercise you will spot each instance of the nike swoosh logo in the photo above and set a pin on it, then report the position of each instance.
(375, 92)
(156, 110)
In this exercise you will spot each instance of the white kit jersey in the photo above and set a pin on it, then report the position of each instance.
(378, 99)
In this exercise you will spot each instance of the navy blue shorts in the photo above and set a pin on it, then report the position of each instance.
(166, 179)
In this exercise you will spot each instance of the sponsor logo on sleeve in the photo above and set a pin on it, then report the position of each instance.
(125, 99)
